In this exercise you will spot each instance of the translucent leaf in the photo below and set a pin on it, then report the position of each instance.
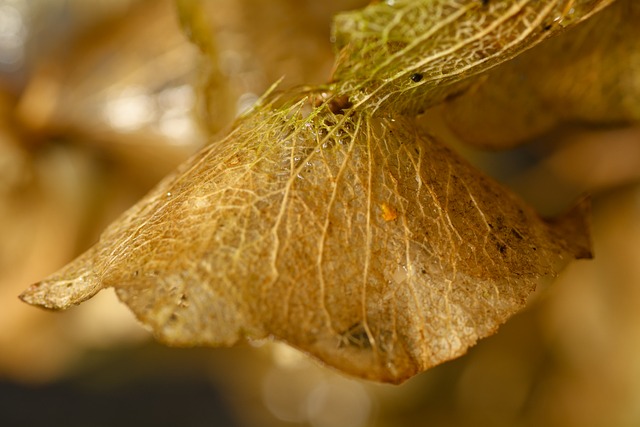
(589, 75)
(328, 220)
(366, 244)
(409, 55)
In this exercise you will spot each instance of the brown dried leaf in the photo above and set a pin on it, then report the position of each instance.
(409, 55)
(283, 229)
(590, 74)
(326, 219)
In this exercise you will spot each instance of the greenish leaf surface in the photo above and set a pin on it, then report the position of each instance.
(408, 55)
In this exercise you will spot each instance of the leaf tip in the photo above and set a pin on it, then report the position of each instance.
(72, 285)
(60, 294)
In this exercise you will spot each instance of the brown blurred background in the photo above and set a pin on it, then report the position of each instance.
(99, 99)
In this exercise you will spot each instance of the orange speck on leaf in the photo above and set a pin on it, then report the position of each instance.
(388, 212)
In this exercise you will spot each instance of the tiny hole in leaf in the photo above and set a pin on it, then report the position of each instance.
(502, 248)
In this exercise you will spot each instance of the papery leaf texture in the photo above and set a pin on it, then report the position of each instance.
(327, 219)
(409, 55)
(591, 76)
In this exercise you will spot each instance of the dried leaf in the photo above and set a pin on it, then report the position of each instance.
(590, 75)
(326, 219)
(281, 230)
(409, 55)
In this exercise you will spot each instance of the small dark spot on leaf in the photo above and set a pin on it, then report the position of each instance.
(416, 77)
(183, 301)
(502, 248)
